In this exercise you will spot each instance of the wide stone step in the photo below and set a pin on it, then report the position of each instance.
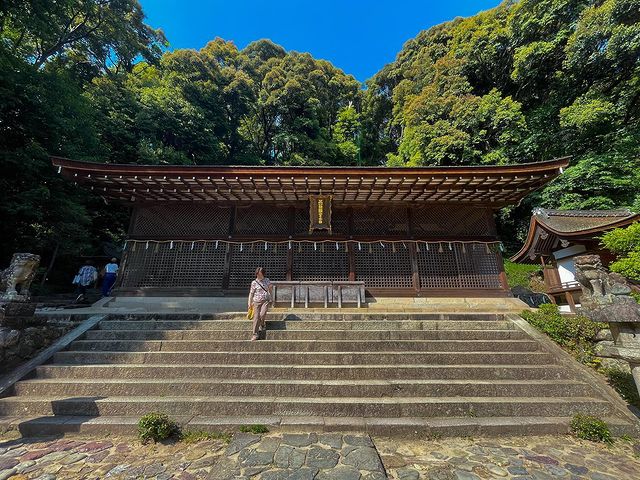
(305, 358)
(371, 335)
(327, 315)
(306, 346)
(266, 372)
(407, 427)
(307, 325)
(301, 388)
(328, 406)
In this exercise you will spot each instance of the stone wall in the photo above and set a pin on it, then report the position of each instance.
(17, 345)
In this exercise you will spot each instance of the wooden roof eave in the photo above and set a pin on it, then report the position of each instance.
(535, 222)
(494, 185)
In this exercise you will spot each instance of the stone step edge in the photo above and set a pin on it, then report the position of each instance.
(234, 381)
(408, 427)
(542, 366)
(537, 353)
(294, 400)
(308, 341)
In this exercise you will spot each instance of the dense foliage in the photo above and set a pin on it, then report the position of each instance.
(528, 80)
(575, 333)
(625, 243)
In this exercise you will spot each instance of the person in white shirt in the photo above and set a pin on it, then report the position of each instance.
(110, 274)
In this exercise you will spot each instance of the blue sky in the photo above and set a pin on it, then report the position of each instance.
(357, 36)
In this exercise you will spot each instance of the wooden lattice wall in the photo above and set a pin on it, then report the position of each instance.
(408, 265)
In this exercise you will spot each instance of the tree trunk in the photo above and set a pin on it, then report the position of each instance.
(50, 267)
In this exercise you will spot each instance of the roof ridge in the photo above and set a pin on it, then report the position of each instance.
(546, 213)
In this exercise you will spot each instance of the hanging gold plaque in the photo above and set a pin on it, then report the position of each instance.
(320, 212)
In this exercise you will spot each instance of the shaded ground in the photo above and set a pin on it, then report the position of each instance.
(322, 456)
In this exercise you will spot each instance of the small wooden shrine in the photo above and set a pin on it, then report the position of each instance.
(202, 230)
(556, 237)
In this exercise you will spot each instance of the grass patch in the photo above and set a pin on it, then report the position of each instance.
(157, 427)
(519, 274)
(195, 436)
(588, 427)
(257, 429)
(622, 382)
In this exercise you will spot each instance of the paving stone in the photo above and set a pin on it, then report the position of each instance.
(304, 473)
(339, 473)
(347, 449)
(73, 458)
(225, 468)
(496, 470)
(462, 475)
(374, 476)
(117, 470)
(21, 467)
(253, 471)
(268, 444)
(393, 461)
(363, 458)
(37, 454)
(440, 473)
(333, 440)
(6, 473)
(241, 441)
(602, 476)
(540, 475)
(8, 463)
(299, 439)
(281, 456)
(154, 469)
(94, 447)
(517, 470)
(322, 457)
(19, 477)
(543, 459)
(407, 473)
(358, 440)
(256, 458)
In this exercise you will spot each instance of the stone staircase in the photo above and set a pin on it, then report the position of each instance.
(404, 374)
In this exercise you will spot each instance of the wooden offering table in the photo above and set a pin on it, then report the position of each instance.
(325, 293)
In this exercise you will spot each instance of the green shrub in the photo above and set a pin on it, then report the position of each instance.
(195, 436)
(625, 243)
(575, 332)
(156, 426)
(623, 383)
(254, 429)
(591, 428)
(636, 296)
(519, 274)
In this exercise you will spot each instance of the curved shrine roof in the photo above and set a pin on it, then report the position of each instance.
(549, 228)
(495, 186)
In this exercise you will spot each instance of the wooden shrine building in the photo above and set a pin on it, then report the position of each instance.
(556, 237)
(200, 230)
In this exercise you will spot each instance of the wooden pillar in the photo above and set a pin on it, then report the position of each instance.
(571, 301)
(502, 275)
(227, 258)
(413, 258)
(292, 229)
(351, 257)
(351, 254)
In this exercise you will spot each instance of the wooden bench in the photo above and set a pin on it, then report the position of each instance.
(324, 293)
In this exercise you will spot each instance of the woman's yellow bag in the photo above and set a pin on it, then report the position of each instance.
(250, 313)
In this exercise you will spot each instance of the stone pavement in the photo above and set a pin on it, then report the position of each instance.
(326, 456)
